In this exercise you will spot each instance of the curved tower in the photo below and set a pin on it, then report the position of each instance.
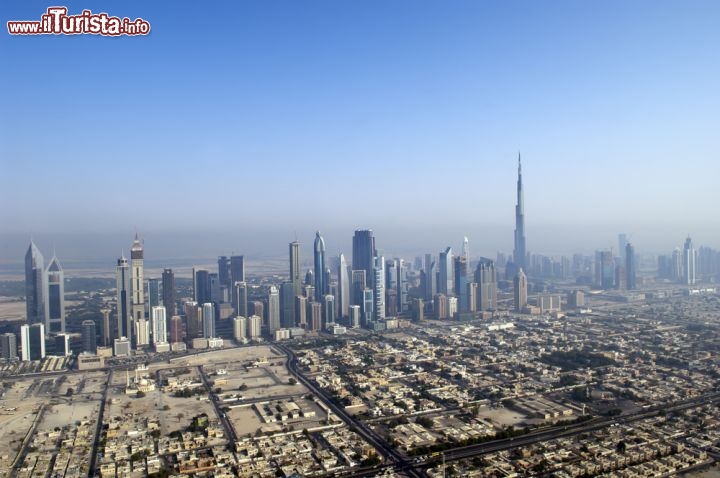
(321, 288)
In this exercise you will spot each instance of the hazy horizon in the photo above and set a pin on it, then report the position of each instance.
(188, 248)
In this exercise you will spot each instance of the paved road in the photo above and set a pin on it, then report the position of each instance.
(229, 429)
(389, 453)
(593, 425)
(98, 428)
(401, 464)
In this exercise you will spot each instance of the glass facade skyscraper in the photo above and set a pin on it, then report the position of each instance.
(55, 298)
(34, 285)
(321, 288)
(364, 254)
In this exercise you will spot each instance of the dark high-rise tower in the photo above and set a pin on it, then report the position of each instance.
(34, 285)
(321, 288)
(287, 304)
(343, 288)
(295, 272)
(124, 299)
(630, 268)
(363, 257)
(460, 268)
(168, 291)
(89, 336)
(237, 274)
(201, 286)
(237, 269)
(445, 284)
(224, 273)
(519, 253)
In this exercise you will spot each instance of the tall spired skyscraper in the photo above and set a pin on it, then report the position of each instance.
(124, 299)
(34, 285)
(321, 288)
(138, 292)
(519, 253)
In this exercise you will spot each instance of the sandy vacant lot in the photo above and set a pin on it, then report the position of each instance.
(153, 405)
(502, 416)
(12, 310)
(22, 398)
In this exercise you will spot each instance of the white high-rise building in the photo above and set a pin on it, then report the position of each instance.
(273, 312)
(354, 317)
(379, 289)
(254, 327)
(689, 262)
(240, 328)
(142, 332)
(159, 325)
(466, 250)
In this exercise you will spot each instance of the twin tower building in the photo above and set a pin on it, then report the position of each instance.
(44, 307)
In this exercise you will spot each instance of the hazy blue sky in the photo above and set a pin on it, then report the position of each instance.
(277, 116)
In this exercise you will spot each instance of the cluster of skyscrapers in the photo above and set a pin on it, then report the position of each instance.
(681, 265)
(368, 291)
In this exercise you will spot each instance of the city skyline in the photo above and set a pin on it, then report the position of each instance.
(614, 119)
(393, 238)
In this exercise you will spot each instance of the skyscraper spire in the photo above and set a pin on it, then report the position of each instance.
(519, 165)
(519, 253)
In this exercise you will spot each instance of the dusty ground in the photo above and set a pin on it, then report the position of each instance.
(131, 408)
(22, 398)
(11, 309)
(713, 472)
(502, 416)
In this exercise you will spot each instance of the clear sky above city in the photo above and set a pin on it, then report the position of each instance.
(283, 116)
